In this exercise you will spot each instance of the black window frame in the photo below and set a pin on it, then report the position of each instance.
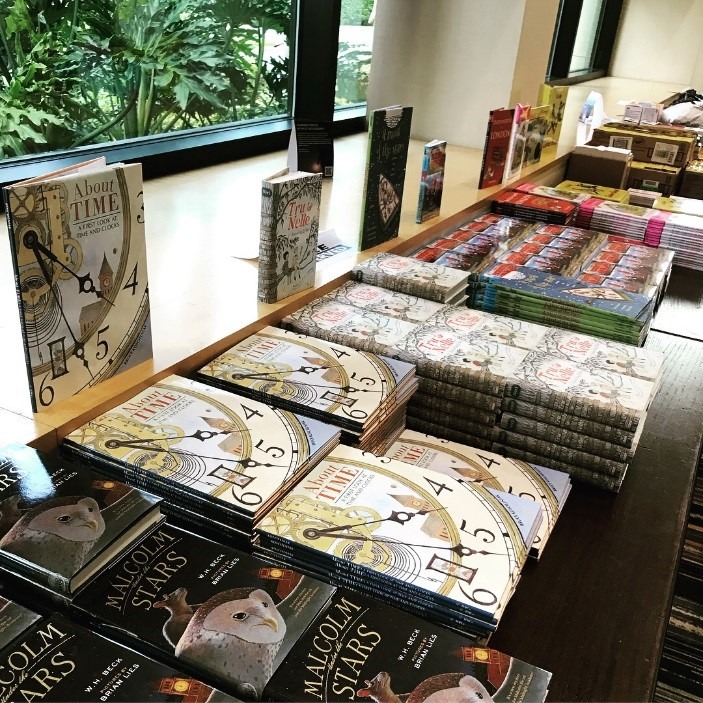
(186, 150)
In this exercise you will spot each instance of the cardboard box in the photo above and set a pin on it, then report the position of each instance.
(659, 177)
(601, 166)
(666, 146)
(692, 181)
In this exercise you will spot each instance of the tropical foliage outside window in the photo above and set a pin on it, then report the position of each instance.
(75, 72)
(354, 58)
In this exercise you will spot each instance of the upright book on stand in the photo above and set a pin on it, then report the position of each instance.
(389, 137)
(79, 256)
(290, 223)
(431, 180)
(495, 150)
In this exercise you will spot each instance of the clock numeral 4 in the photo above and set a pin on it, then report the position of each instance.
(132, 281)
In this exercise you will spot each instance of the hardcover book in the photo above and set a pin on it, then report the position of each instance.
(536, 134)
(426, 542)
(413, 277)
(207, 608)
(290, 222)
(389, 137)
(363, 649)
(227, 455)
(431, 180)
(354, 390)
(554, 96)
(14, 620)
(495, 150)
(79, 257)
(61, 523)
(548, 488)
(63, 662)
(517, 143)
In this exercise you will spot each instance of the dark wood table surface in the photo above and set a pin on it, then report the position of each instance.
(594, 610)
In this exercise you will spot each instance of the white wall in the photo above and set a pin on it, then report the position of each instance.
(452, 60)
(660, 40)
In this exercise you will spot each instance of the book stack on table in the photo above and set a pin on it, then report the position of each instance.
(216, 458)
(363, 394)
(472, 365)
(439, 547)
(632, 221)
(535, 207)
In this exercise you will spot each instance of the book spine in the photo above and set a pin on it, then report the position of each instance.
(462, 410)
(419, 213)
(483, 175)
(526, 418)
(458, 394)
(481, 382)
(267, 279)
(365, 202)
(542, 447)
(565, 402)
(452, 421)
(595, 478)
(443, 432)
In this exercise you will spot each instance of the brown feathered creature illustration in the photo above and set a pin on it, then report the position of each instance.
(57, 534)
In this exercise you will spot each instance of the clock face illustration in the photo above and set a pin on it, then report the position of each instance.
(80, 262)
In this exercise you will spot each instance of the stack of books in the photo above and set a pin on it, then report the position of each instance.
(535, 207)
(684, 234)
(215, 457)
(363, 394)
(442, 548)
(547, 487)
(574, 196)
(414, 277)
(536, 296)
(617, 195)
(632, 221)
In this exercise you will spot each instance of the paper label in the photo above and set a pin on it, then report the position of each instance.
(620, 142)
(664, 153)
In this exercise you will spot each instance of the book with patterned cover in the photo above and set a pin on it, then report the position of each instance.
(389, 138)
(205, 446)
(408, 275)
(548, 488)
(431, 180)
(423, 536)
(79, 257)
(290, 222)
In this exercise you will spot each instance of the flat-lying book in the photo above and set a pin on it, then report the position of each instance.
(435, 545)
(198, 605)
(361, 648)
(414, 277)
(362, 393)
(55, 660)
(225, 455)
(61, 523)
(548, 488)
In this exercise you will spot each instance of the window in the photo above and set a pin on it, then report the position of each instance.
(354, 57)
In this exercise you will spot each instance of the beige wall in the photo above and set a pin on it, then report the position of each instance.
(455, 60)
(660, 41)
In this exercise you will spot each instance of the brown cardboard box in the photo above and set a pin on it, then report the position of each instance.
(654, 177)
(692, 181)
(666, 146)
(601, 166)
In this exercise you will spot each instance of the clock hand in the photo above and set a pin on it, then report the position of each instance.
(399, 516)
(272, 377)
(78, 347)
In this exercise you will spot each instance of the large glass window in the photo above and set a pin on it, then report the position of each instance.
(354, 57)
(81, 72)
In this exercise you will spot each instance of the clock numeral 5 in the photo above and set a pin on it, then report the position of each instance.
(102, 344)
(275, 452)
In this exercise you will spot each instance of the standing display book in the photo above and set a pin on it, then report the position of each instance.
(218, 453)
(389, 137)
(363, 394)
(290, 222)
(79, 257)
(554, 96)
(363, 649)
(536, 134)
(495, 150)
(431, 180)
(219, 613)
(56, 660)
(548, 488)
(60, 523)
(517, 143)
(442, 548)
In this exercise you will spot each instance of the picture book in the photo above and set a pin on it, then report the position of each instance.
(389, 137)
(229, 455)
(61, 523)
(517, 143)
(495, 149)
(536, 134)
(413, 277)
(79, 257)
(431, 180)
(207, 608)
(617, 195)
(411, 536)
(555, 97)
(59, 661)
(311, 146)
(290, 222)
(548, 488)
(360, 648)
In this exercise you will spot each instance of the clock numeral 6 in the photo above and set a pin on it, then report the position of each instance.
(102, 344)
(46, 393)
